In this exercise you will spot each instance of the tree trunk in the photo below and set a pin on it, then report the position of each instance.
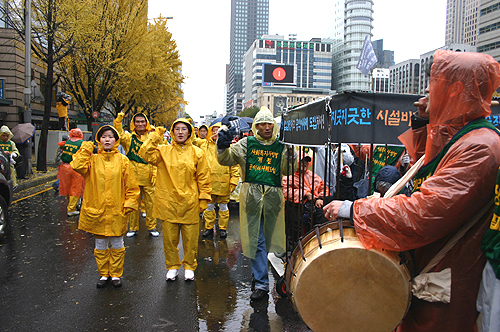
(41, 164)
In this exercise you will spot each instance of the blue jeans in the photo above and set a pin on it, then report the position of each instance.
(259, 263)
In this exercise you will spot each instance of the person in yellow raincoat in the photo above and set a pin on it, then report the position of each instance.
(10, 150)
(182, 193)
(111, 193)
(263, 161)
(224, 181)
(452, 189)
(71, 184)
(144, 173)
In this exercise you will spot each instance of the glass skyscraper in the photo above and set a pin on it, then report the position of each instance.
(249, 21)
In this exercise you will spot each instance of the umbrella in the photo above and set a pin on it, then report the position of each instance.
(23, 132)
(248, 120)
(243, 124)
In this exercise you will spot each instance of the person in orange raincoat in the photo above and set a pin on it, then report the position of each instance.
(298, 188)
(71, 184)
(462, 156)
(110, 195)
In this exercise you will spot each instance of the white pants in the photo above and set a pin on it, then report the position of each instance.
(488, 301)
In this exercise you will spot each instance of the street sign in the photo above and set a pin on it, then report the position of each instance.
(95, 114)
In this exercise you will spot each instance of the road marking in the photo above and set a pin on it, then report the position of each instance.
(20, 199)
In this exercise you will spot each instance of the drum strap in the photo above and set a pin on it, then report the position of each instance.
(436, 286)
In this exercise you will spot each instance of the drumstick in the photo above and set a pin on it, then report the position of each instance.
(396, 187)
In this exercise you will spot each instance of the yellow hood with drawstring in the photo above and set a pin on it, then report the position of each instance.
(183, 188)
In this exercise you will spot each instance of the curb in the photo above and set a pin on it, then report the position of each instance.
(51, 176)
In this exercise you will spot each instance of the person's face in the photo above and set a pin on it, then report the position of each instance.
(303, 164)
(215, 130)
(196, 131)
(265, 130)
(140, 124)
(203, 132)
(107, 140)
(181, 132)
(4, 137)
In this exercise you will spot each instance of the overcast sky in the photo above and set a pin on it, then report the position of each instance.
(201, 30)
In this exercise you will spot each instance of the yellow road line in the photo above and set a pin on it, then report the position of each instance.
(20, 199)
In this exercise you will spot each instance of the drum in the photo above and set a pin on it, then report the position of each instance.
(335, 284)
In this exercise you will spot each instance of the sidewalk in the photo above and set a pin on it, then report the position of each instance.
(36, 179)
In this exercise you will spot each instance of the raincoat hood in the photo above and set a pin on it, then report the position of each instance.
(264, 116)
(75, 134)
(210, 131)
(6, 129)
(347, 156)
(185, 121)
(132, 125)
(461, 88)
(117, 142)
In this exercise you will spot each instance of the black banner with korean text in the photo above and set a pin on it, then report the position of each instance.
(371, 117)
(356, 117)
(306, 125)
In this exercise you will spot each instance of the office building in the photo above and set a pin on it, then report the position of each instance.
(385, 57)
(353, 21)
(310, 63)
(381, 80)
(404, 77)
(462, 18)
(249, 21)
(488, 39)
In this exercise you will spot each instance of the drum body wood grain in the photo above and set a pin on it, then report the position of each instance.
(344, 287)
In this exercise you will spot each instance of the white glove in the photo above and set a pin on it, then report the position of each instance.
(14, 155)
(405, 160)
(12, 161)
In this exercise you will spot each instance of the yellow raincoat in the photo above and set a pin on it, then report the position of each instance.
(257, 199)
(110, 190)
(222, 176)
(177, 196)
(144, 173)
(10, 147)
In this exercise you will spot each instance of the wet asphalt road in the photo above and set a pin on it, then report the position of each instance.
(48, 276)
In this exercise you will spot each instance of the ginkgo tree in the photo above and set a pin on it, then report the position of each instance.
(109, 34)
(53, 23)
(150, 80)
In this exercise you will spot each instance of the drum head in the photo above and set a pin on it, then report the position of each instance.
(344, 287)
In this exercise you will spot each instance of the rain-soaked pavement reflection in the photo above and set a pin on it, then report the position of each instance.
(48, 276)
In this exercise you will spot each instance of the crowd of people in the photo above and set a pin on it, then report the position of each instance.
(201, 167)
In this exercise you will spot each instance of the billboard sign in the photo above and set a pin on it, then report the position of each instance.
(277, 73)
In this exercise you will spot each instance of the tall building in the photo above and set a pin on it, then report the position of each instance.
(311, 60)
(404, 77)
(462, 18)
(249, 21)
(381, 80)
(385, 57)
(488, 39)
(353, 21)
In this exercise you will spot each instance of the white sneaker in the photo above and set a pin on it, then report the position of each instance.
(154, 233)
(188, 275)
(131, 233)
(73, 213)
(172, 274)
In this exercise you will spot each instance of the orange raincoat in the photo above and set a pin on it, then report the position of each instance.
(461, 89)
(70, 182)
(292, 190)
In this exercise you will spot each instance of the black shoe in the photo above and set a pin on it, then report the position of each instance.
(102, 283)
(208, 232)
(258, 294)
(223, 233)
(117, 283)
